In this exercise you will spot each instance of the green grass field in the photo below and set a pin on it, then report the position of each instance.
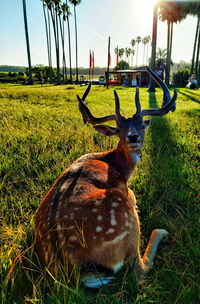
(42, 133)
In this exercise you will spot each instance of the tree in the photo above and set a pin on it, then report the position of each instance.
(75, 3)
(128, 53)
(68, 13)
(161, 58)
(133, 42)
(170, 12)
(121, 52)
(123, 65)
(138, 40)
(144, 41)
(62, 13)
(27, 40)
(53, 6)
(148, 39)
(48, 37)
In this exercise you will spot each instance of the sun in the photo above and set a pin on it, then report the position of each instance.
(144, 9)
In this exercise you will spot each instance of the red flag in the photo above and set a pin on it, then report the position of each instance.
(90, 60)
(117, 63)
(93, 59)
(109, 60)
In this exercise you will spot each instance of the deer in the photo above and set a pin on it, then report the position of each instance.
(89, 218)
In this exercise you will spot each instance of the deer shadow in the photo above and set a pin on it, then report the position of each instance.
(161, 198)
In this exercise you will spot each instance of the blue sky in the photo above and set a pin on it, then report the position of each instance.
(122, 20)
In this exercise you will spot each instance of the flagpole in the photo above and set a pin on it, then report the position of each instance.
(89, 63)
(92, 65)
(108, 62)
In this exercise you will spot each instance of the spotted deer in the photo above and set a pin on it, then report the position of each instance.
(89, 217)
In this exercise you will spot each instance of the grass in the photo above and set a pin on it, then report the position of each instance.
(42, 133)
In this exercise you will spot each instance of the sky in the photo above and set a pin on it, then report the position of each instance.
(122, 20)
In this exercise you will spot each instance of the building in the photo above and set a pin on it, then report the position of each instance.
(132, 77)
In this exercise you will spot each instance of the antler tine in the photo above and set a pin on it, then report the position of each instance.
(117, 105)
(87, 115)
(87, 91)
(161, 111)
(166, 97)
(137, 101)
(157, 79)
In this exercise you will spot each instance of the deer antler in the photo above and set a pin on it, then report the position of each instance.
(87, 115)
(168, 102)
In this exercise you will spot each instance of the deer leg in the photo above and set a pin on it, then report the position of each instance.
(144, 264)
(156, 236)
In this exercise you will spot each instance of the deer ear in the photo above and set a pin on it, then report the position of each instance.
(105, 130)
(147, 122)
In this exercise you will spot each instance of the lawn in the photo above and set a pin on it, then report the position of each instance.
(42, 133)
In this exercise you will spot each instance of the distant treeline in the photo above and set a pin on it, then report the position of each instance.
(83, 71)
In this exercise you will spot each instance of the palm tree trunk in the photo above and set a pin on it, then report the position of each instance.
(195, 44)
(197, 57)
(63, 49)
(153, 52)
(27, 40)
(167, 75)
(69, 44)
(48, 43)
(76, 44)
(55, 29)
(50, 55)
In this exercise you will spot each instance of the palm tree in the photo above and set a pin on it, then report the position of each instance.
(170, 12)
(161, 58)
(68, 13)
(27, 41)
(127, 53)
(138, 40)
(133, 42)
(48, 36)
(148, 39)
(62, 13)
(75, 3)
(121, 52)
(54, 7)
(195, 44)
(153, 50)
(144, 41)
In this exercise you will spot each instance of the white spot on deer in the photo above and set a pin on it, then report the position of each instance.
(110, 230)
(98, 229)
(115, 204)
(94, 237)
(64, 186)
(126, 215)
(76, 209)
(119, 199)
(99, 218)
(127, 224)
(112, 211)
(117, 239)
(113, 221)
(98, 203)
(94, 210)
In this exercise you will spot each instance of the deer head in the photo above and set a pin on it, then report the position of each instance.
(129, 130)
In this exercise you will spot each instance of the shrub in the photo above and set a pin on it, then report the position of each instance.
(180, 78)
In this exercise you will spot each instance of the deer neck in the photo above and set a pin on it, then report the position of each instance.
(124, 160)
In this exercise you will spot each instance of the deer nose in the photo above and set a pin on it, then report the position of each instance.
(132, 138)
